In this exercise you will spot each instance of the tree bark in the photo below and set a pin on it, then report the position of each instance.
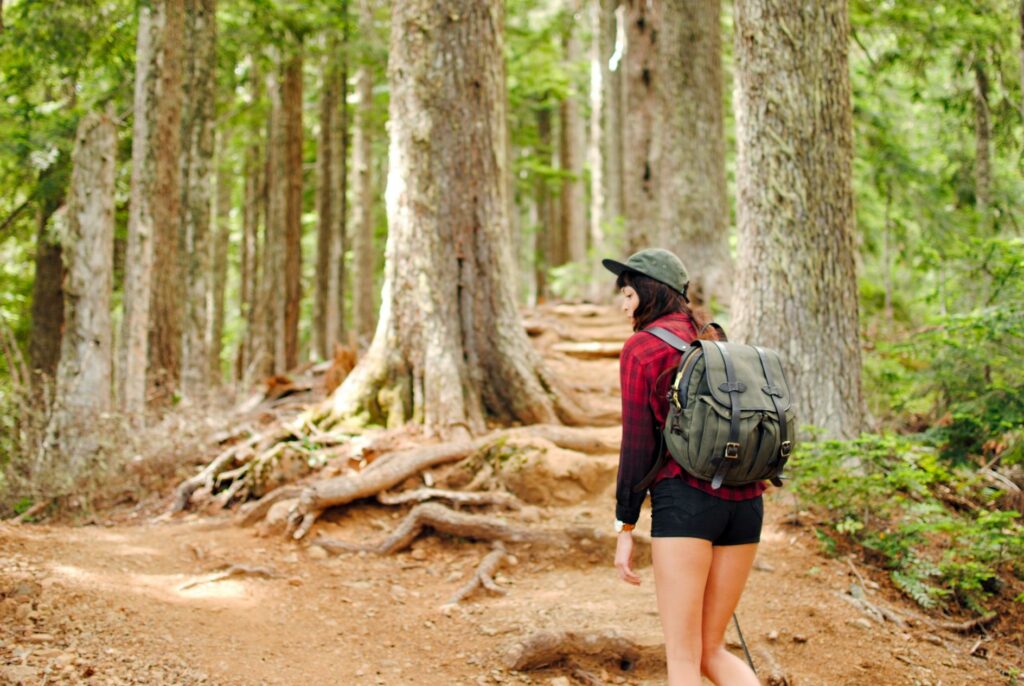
(640, 179)
(571, 151)
(595, 145)
(692, 193)
(450, 348)
(325, 228)
(47, 299)
(795, 203)
(197, 183)
(549, 248)
(138, 268)
(252, 351)
(167, 305)
(83, 382)
(292, 94)
(982, 143)
(364, 314)
(340, 244)
(614, 29)
(272, 284)
(219, 257)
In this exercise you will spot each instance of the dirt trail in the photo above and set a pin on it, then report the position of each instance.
(106, 604)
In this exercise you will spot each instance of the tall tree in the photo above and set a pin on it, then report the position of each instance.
(197, 184)
(982, 141)
(571, 149)
(798, 293)
(364, 312)
(47, 296)
(613, 20)
(292, 95)
(337, 326)
(167, 305)
(154, 193)
(252, 353)
(219, 258)
(272, 297)
(450, 348)
(326, 193)
(640, 180)
(692, 195)
(83, 382)
(595, 150)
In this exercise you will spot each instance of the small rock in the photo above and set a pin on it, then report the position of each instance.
(933, 639)
(861, 622)
(512, 560)
(40, 638)
(773, 635)
(559, 681)
(295, 581)
(418, 554)
(315, 552)
(799, 638)
(489, 631)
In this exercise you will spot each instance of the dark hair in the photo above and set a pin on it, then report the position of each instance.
(655, 300)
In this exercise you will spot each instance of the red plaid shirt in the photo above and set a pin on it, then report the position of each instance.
(646, 367)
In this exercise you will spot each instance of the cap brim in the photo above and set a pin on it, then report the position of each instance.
(614, 267)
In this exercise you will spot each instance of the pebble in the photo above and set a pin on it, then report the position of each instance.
(315, 552)
(418, 554)
(773, 635)
(559, 681)
(861, 622)
(933, 639)
(799, 638)
(295, 581)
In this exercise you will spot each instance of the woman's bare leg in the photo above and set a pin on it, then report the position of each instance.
(730, 567)
(681, 567)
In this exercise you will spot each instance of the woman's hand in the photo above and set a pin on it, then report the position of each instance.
(624, 558)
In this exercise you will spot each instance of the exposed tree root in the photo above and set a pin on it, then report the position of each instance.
(549, 647)
(232, 571)
(257, 510)
(499, 498)
(770, 672)
(589, 350)
(484, 575)
(205, 477)
(970, 625)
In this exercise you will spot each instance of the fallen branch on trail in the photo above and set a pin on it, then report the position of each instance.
(877, 612)
(484, 575)
(549, 647)
(970, 625)
(232, 571)
(499, 498)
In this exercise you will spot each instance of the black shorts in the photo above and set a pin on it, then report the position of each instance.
(679, 510)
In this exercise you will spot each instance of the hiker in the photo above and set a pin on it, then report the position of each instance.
(703, 539)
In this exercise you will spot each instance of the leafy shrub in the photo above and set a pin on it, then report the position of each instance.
(882, 493)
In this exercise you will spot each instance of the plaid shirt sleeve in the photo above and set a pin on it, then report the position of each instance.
(639, 430)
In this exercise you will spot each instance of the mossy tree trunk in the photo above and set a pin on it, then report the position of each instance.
(449, 347)
(798, 293)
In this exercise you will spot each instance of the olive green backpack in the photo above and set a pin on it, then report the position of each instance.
(730, 417)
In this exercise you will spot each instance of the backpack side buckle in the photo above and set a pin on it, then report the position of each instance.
(732, 451)
(785, 449)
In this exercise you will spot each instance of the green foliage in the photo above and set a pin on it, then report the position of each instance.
(882, 492)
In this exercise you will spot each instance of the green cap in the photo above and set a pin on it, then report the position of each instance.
(661, 265)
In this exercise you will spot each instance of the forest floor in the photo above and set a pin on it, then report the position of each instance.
(115, 602)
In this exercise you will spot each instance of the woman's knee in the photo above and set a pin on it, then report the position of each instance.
(710, 654)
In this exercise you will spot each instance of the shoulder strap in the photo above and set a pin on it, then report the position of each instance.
(668, 337)
(733, 387)
(785, 445)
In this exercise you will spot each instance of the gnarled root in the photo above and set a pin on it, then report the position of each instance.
(484, 575)
(549, 647)
(471, 498)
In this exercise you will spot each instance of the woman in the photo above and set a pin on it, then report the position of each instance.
(703, 540)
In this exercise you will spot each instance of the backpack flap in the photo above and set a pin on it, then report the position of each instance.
(746, 363)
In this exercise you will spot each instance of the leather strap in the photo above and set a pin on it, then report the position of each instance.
(668, 337)
(732, 446)
(775, 393)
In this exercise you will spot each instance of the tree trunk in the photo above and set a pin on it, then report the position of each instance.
(219, 258)
(364, 314)
(547, 243)
(272, 283)
(982, 143)
(450, 348)
(325, 227)
(166, 304)
(613, 21)
(340, 244)
(47, 300)
(571, 150)
(253, 350)
(795, 203)
(600, 52)
(138, 261)
(640, 114)
(293, 207)
(197, 183)
(693, 203)
(83, 383)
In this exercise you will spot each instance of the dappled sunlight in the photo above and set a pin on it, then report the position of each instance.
(171, 588)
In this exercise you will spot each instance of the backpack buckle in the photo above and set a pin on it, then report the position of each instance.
(785, 449)
(732, 451)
